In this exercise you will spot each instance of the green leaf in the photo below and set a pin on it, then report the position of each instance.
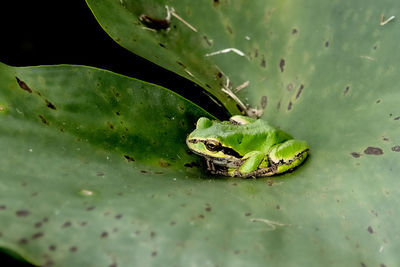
(330, 78)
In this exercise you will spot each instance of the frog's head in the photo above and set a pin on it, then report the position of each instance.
(206, 141)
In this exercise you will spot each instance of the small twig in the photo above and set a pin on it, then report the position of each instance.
(383, 21)
(243, 85)
(173, 13)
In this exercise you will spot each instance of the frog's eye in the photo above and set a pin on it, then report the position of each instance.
(213, 145)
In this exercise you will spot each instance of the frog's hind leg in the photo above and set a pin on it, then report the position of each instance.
(288, 155)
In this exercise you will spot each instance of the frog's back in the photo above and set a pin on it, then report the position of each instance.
(256, 136)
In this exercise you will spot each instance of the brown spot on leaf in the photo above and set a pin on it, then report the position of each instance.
(154, 253)
(90, 208)
(378, 101)
(22, 213)
(201, 216)
(385, 139)
(110, 125)
(38, 224)
(370, 230)
(278, 106)
(229, 29)
(247, 214)
(37, 235)
(289, 87)
(154, 23)
(23, 85)
(278, 207)
(289, 106)
(50, 105)
(355, 154)
(327, 44)
(172, 223)
(346, 90)
(3, 207)
(163, 163)
(118, 216)
(66, 224)
(207, 41)
(152, 234)
(104, 234)
(299, 91)
(263, 62)
(216, 3)
(23, 241)
(264, 101)
(73, 249)
(396, 148)
(294, 31)
(282, 65)
(43, 119)
(373, 151)
(129, 158)
(208, 209)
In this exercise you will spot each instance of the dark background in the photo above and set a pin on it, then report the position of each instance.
(46, 32)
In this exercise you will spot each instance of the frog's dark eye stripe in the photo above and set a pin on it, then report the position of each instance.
(231, 152)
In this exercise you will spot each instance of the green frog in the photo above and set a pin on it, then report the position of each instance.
(245, 147)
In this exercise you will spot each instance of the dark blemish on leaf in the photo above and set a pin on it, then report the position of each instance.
(282, 64)
(264, 102)
(278, 207)
(219, 75)
(370, 230)
(229, 29)
(289, 87)
(373, 151)
(396, 148)
(256, 52)
(346, 90)
(163, 163)
(192, 164)
(3, 207)
(355, 154)
(207, 41)
(163, 46)
(73, 249)
(34, 194)
(390, 115)
(237, 251)
(44, 121)
(38, 224)
(129, 158)
(289, 106)
(154, 23)
(247, 214)
(327, 44)
(201, 216)
(159, 173)
(172, 223)
(100, 173)
(23, 85)
(374, 212)
(181, 64)
(66, 224)
(104, 234)
(45, 220)
(216, 3)
(118, 113)
(382, 265)
(118, 216)
(83, 223)
(115, 230)
(90, 208)
(279, 105)
(208, 209)
(23, 241)
(299, 91)
(50, 105)
(113, 265)
(208, 86)
(378, 101)
(234, 184)
(143, 171)
(154, 253)
(152, 234)
(294, 31)
(397, 118)
(375, 47)
(52, 247)
(137, 232)
(23, 183)
(22, 213)
(385, 139)
(263, 63)
(37, 235)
